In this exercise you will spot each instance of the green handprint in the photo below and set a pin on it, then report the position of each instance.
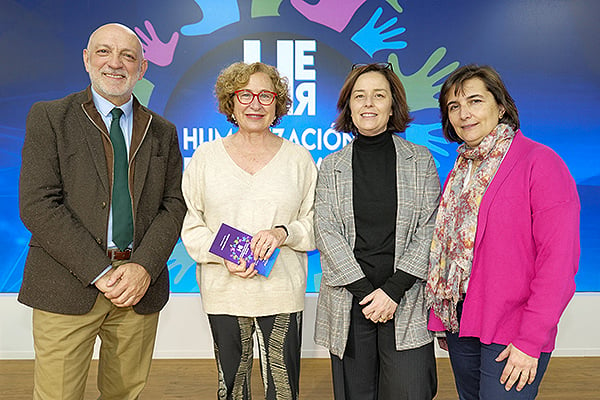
(265, 8)
(420, 86)
(143, 90)
(394, 3)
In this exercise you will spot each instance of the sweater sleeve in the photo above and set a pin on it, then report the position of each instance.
(360, 288)
(195, 234)
(434, 324)
(398, 284)
(300, 230)
(555, 222)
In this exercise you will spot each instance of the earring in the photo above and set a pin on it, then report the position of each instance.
(233, 118)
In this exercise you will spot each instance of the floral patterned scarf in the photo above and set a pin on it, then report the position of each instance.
(453, 241)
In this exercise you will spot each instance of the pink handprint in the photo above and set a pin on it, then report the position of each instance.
(156, 51)
(332, 13)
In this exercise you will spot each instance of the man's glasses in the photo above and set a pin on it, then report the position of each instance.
(265, 97)
(379, 66)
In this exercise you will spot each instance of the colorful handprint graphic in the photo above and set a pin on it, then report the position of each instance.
(372, 39)
(155, 50)
(421, 86)
(331, 13)
(215, 15)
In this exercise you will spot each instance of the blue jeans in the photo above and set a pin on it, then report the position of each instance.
(477, 373)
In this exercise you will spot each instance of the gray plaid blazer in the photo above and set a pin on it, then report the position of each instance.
(418, 191)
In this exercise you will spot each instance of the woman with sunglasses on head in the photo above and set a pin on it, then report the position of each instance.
(374, 212)
(263, 185)
(505, 248)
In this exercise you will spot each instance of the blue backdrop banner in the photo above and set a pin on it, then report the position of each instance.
(546, 51)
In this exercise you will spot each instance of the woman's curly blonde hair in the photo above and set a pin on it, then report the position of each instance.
(237, 75)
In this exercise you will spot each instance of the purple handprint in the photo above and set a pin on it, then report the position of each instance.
(372, 39)
(155, 51)
(329, 12)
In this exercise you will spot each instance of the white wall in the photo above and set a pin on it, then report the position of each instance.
(183, 329)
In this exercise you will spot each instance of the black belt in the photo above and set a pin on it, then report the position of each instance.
(118, 255)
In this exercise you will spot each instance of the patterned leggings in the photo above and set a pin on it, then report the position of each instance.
(279, 338)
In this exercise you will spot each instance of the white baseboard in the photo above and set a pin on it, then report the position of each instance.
(183, 330)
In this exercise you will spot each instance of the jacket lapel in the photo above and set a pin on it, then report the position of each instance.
(343, 186)
(97, 140)
(514, 154)
(101, 149)
(405, 190)
(139, 155)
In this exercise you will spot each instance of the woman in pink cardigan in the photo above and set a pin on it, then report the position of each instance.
(505, 248)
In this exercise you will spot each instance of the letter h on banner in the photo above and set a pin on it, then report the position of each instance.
(292, 61)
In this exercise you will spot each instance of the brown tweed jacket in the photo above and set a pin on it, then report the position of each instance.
(65, 194)
(418, 191)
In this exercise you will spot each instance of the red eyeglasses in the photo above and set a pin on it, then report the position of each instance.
(265, 97)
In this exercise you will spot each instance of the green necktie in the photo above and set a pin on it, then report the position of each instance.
(122, 228)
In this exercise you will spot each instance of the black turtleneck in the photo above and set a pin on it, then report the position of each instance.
(375, 204)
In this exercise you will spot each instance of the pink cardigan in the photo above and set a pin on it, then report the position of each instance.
(526, 252)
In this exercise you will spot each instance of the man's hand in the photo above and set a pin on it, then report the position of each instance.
(127, 284)
(102, 283)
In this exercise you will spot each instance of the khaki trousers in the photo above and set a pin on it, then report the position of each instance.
(64, 345)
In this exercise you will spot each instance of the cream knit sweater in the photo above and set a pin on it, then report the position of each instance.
(217, 190)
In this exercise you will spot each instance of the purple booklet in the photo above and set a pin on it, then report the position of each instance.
(233, 244)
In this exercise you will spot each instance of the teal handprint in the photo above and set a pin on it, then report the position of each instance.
(421, 134)
(265, 8)
(372, 39)
(182, 270)
(215, 15)
(317, 280)
(420, 87)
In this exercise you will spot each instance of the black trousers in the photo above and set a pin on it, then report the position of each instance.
(372, 368)
(279, 337)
